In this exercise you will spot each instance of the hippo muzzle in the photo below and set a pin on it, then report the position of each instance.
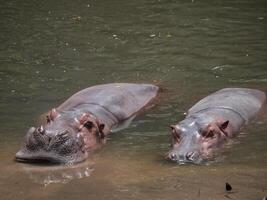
(187, 151)
(188, 145)
(62, 147)
(188, 157)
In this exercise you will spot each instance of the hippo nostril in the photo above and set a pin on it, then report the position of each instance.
(173, 156)
(41, 130)
(190, 155)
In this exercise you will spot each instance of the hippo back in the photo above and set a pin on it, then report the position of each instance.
(121, 99)
(245, 102)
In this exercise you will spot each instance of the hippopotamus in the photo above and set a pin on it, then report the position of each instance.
(81, 124)
(211, 122)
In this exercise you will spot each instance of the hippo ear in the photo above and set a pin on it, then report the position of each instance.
(101, 128)
(175, 133)
(48, 119)
(172, 128)
(224, 125)
(52, 115)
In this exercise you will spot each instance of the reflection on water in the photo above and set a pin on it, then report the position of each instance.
(46, 175)
(52, 49)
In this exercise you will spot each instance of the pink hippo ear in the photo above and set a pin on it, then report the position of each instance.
(224, 125)
(176, 135)
(53, 114)
(101, 129)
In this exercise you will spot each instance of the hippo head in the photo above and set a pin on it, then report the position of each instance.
(193, 142)
(63, 139)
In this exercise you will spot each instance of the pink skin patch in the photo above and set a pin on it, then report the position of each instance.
(90, 130)
(213, 135)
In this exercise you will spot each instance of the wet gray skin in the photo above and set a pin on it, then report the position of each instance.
(81, 124)
(211, 121)
(59, 141)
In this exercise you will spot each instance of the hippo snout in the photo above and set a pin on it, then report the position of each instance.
(64, 146)
(188, 157)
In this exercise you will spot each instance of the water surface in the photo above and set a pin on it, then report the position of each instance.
(51, 49)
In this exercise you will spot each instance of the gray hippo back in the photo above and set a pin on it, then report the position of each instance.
(121, 99)
(245, 102)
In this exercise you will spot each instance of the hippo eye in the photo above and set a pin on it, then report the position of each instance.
(88, 125)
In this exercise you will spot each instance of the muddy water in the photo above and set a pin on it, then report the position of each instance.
(51, 49)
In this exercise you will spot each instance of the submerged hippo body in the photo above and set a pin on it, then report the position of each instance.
(83, 121)
(211, 121)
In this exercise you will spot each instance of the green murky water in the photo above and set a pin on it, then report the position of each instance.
(51, 49)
